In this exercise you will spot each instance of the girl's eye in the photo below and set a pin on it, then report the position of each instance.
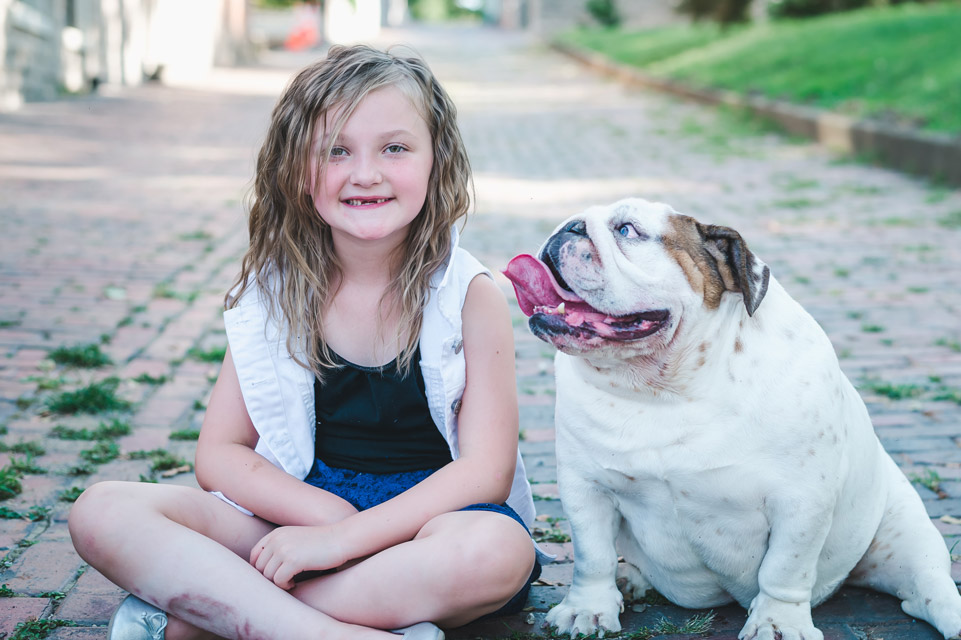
(338, 152)
(395, 148)
(627, 230)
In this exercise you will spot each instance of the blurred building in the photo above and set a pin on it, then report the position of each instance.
(54, 46)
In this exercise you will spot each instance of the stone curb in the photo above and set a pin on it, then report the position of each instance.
(931, 155)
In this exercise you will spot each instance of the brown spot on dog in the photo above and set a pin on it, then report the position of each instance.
(702, 347)
(706, 274)
(700, 362)
(738, 346)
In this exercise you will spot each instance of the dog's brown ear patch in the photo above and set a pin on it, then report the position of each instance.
(716, 259)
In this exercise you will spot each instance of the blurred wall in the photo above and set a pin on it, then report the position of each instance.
(55, 46)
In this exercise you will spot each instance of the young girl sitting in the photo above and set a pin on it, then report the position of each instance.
(359, 449)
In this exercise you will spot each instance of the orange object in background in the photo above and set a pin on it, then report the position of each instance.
(306, 31)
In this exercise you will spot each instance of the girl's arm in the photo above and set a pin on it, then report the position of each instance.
(226, 462)
(484, 472)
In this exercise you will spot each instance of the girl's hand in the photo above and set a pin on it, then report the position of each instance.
(286, 551)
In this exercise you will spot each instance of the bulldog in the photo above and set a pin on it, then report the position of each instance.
(706, 434)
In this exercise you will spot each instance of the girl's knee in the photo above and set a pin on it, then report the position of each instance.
(93, 516)
(497, 553)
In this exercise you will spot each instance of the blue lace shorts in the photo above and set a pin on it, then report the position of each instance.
(365, 490)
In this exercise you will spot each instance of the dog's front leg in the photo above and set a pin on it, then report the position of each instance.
(782, 607)
(593, 603)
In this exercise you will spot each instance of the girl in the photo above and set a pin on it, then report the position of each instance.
(355, 314)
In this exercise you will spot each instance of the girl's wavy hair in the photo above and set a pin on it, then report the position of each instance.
(291, 257)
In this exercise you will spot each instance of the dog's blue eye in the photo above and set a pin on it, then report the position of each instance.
(627, 230)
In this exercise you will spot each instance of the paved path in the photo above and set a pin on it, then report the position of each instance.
(121, 224)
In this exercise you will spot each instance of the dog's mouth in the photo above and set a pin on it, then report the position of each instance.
(544, 297)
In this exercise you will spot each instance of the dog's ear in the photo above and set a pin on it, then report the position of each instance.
(745, 273)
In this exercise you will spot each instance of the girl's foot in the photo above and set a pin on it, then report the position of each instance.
(135, 619)
(421, 631)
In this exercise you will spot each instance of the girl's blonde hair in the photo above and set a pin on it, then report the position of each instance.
(291, 256)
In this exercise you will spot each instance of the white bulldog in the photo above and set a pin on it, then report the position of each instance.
(707, 434)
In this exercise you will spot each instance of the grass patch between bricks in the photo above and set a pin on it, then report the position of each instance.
(97, 397)
(185, 434)
(29, 448)
(9, 483)
(38, 629)
(87, 356)
(105, 431)
(213, 354)
(160, 460)
(101, 453)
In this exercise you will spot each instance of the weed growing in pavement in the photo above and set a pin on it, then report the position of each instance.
(38, 629)
(26, 465)
(47, 384)
(79, 470)
(7, 592)
(930, 480)
(97, 397)
(146, 378)
(161, 459)
(954, 345)
(872, 328)
(200, 234)
(86, 356)
(9, 483)
(214, 354)
(71, 494)
(185, 434)
(105, 431)
(893, 391)
(3, 429)
(101, 453)
(951, 220)
(29, 448)
(164, 290)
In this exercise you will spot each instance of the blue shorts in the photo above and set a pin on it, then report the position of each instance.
(365, 490)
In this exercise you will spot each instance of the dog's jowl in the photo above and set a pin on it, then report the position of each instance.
(706, 433)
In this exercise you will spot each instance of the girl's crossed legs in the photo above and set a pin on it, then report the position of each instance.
(186, 552)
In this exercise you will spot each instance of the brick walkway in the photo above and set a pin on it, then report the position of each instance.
(122, 225)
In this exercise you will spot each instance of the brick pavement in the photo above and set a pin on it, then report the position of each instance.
(122, 225)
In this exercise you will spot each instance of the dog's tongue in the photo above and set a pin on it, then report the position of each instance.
(535, 285)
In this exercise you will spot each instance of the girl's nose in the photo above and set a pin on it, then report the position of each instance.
(365, 173)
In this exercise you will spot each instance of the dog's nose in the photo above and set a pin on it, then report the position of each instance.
(577, 227)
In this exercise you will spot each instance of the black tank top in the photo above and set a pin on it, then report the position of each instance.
(374, 420)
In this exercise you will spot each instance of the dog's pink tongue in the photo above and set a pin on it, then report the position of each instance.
(534, 284)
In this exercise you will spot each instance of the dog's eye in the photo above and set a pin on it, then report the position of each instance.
(627, 230)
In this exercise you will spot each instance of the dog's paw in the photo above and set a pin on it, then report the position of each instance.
(588, 613)
(771, 619)
(631, 583)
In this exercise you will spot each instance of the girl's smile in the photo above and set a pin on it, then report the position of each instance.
(378, 169)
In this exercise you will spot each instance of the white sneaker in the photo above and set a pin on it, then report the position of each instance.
(421, 631)
(135, 619)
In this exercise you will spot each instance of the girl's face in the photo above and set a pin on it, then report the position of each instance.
(378, 170)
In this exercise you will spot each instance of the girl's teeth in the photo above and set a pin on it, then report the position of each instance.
(357, 203)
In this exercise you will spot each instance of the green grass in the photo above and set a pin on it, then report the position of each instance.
(38, 629)
(213, 354)
(9, 483)
(87, 356)
(101, 453)
(71, 494)
(185, 434)
(897, 63)
(97, 397)
(27, 448)
(105, 431)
